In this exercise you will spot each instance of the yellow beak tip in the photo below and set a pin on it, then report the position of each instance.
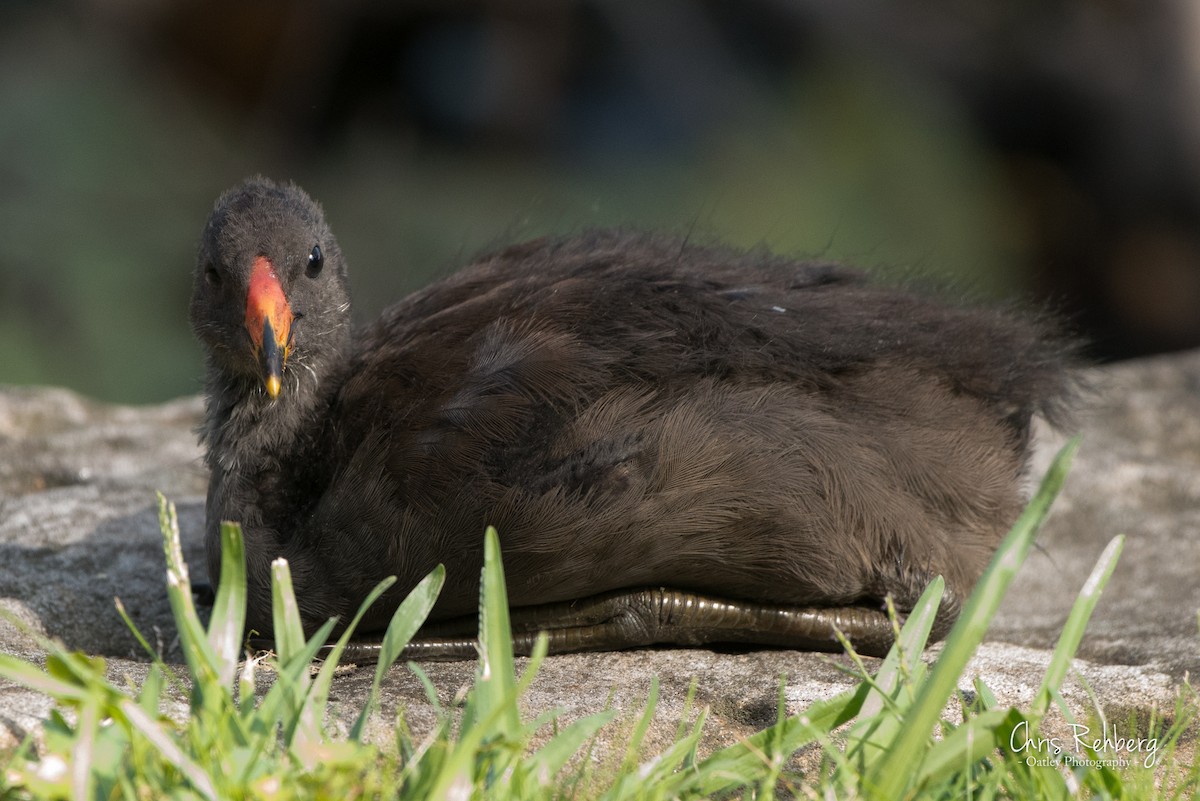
(273, 386)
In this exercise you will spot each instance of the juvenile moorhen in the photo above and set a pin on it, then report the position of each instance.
(677, 443)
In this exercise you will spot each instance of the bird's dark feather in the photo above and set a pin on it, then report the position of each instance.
(628, 410)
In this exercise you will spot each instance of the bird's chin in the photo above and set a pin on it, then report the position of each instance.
(271, 390)
(250, 385)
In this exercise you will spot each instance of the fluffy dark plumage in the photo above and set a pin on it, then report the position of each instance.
(628, 410)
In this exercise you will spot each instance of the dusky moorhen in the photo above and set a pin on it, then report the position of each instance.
(677, 443)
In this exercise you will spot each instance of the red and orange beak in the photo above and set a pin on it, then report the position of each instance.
(269, 321)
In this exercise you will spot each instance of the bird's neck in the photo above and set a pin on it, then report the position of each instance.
(247, 431)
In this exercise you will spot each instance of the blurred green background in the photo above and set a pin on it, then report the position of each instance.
(1046, 151)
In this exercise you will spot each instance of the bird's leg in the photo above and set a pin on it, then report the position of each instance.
(639, 618)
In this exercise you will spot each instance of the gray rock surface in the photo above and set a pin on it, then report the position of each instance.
(78, 527)
(1137, 474)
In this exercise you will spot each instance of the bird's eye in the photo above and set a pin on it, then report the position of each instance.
(212, 277)
(316, 260)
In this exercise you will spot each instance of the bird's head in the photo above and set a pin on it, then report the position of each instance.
(270, 297)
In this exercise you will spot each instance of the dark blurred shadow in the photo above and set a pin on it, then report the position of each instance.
(71, 589)
(1047, 150)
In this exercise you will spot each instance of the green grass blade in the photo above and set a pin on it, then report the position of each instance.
(246, 687)
(37, 679)
(455, 775)
(551, 757)
(133, 629)
(725, 770)
(407, 619)
(158, 737)
(537, 655)
(977, 737)
(318, 694)
(897, 770)
(286, 701)
(1072, 633)
(285, 612)
(87, 729)
(427, 685)
(653, 778)
(987, 699)
(193, 639)
(150, 696)
(289, 698)
(495, 680)
(905, 657)
(491, 711)
(634, 746)
(229, 609)
(871, 739)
